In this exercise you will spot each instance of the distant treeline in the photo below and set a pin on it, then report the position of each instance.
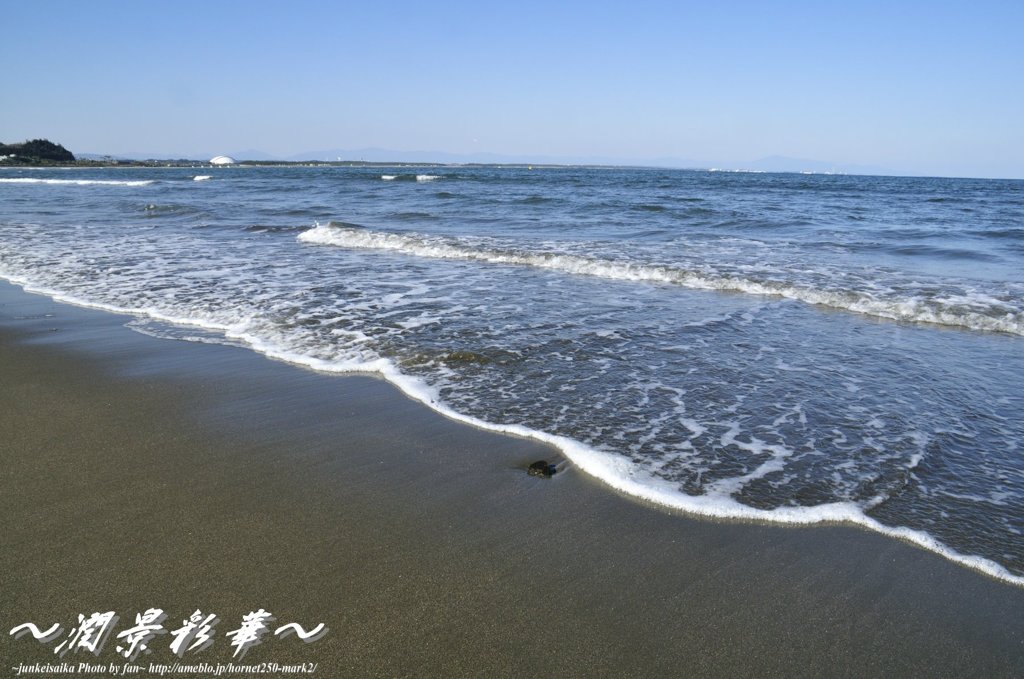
(45, 152)
(35, 152)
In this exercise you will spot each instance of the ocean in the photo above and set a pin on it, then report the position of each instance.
(773, 347)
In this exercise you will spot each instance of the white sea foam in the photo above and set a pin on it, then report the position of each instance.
(75, 182)
(388, 177)
(964, 311)
(740, 171)
(614, 470)
(627, 477)
(202, 177)
(427, 177)
(663, 370)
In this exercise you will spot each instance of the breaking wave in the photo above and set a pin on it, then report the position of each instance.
(75, 182)
(983, 313)
(410, 177)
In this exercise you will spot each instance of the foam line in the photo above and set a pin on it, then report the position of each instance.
(75, 182)
(613, 470)
(994, 317)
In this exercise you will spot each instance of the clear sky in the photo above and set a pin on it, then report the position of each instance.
(924, 87)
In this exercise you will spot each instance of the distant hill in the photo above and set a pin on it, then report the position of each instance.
(35, 152)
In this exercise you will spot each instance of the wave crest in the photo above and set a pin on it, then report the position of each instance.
(75, 182)
(986, 314)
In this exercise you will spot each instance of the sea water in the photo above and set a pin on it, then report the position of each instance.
(778, 347)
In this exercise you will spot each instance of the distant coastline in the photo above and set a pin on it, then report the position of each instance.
(44, 153)
(13, 156)
(183, 162)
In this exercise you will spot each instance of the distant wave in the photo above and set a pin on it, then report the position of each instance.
(202, 177)
(75, 182)
(156, 210)
(981, 313)
(719, 169)
(273, 228)
(410, 177)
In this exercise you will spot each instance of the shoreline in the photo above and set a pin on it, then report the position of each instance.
(610, 472)
(158, 473)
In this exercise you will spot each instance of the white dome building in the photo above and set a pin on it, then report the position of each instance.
(222, 160)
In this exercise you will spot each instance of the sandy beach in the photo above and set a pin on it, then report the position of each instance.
(148, 473)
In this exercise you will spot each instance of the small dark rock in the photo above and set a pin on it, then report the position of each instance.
(542, 468)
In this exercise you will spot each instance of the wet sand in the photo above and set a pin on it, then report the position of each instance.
(140, 472)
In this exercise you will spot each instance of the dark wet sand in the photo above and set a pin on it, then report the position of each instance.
(138, 472)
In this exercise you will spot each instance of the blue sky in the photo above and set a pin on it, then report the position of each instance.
(928, 88)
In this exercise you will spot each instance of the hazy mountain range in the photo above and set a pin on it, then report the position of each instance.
(768, 164)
